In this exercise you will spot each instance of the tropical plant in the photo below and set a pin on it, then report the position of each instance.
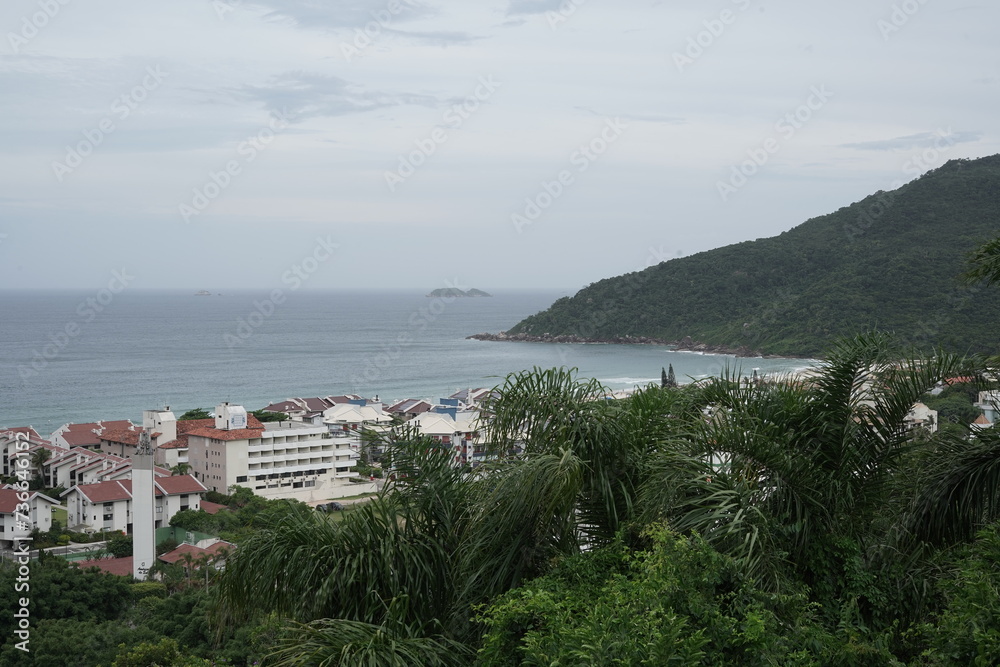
(984, 263)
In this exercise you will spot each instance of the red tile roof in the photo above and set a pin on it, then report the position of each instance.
(981, 420)
(179, 484)
(212, 508)
(121, 489)
(122, 435)
(80, 435)
(284, 406)
(8, 501)
(121, 567)
(177, 554)
(26, 430)
(253, 430)
(104, 492)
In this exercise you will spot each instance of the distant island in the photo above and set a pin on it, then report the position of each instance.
(203, 293)
(456, 292)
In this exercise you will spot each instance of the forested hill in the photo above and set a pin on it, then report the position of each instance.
(891, 261)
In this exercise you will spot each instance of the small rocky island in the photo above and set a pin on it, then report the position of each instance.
(452, 292)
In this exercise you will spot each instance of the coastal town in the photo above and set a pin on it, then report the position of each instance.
(306, 449)
(316, 450)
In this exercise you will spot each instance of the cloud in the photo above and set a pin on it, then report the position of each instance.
(300, 95)
(521, 7)
(911, 141)
(638, 117)
(437, 37)
(343, 13)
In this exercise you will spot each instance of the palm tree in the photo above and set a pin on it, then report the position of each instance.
(180, 469)
(38, 459)
(984, 263)
(798, 481)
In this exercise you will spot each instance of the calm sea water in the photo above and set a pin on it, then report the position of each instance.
(66, 359)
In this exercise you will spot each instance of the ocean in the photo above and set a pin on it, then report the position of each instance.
(75, 356)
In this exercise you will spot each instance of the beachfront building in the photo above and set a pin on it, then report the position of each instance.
(310, 410)
(108, 505)
(16, 525)
(86, 435)
(459, 430)
(409, 408)
(287, 459)
(347, 422)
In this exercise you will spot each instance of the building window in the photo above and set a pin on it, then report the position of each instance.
(240, 479)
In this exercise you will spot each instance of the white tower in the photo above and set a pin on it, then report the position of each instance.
(143, 500)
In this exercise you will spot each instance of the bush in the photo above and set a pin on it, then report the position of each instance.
(120, 546)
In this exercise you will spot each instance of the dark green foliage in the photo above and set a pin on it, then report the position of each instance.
(679, 602)
(967, 629)
(58, 590)
(265, 416)
(120, 546)
(196, 413)
(985, 263)
(890, 262)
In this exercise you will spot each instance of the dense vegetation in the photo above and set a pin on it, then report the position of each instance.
(723, 523)
(889, 262)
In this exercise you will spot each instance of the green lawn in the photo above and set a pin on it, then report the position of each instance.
(59, 514)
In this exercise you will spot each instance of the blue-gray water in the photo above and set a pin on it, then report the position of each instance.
(65, 359)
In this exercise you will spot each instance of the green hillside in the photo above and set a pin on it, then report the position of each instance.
(891, 261)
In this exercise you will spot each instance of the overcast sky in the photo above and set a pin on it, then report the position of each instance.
(211, 144)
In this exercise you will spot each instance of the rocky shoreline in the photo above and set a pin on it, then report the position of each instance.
(684, 345)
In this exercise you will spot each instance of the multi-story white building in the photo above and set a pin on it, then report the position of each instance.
(108, 505)
(288, 459)
(459, 430)
(18, 525)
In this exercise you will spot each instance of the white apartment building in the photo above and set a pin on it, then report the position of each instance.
(108, 505)
(288, 459)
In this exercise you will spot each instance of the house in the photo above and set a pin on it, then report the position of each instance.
(989, 403)
(921, 416)
(472, 397)
(309, 410)
(409, 408)
(108, 505)
(18, 443)
(459, 430)
(981, 423)
(86, 435)
(347, 422)
(215, 551)
(15, 524)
